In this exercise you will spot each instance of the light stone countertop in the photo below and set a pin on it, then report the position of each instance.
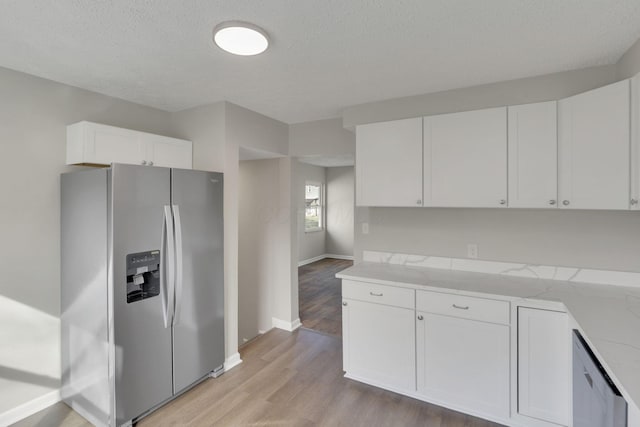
(608, 315)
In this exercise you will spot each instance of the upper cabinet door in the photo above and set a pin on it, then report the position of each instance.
(168, 152)
(635, 143)
(594, 139)
(389, 163)
(93, 143)
(533, 160)
(465, 159)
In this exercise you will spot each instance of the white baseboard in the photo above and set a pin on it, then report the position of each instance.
(29, 408)
(310, 260)
(232, 361)
(347, 257)
(323, 256)
(287, 326)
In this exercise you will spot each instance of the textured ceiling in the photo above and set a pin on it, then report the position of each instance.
(326, 54)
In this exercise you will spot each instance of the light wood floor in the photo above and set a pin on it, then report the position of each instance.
(320, 295)
(286, 379)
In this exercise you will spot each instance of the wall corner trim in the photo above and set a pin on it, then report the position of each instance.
(287, 326)
(29, 408)
(232, 361)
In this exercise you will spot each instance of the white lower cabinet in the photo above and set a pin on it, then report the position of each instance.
(544, 365)
(460, 352)
(379, 344)
(463, 364)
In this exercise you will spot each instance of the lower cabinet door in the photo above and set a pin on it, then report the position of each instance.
(543, 365)
(463, 364)
(379, 344)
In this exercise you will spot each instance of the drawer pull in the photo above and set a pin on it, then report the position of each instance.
(459, 307)
(375, 294)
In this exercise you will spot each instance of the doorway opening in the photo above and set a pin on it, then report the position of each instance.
(325, 204)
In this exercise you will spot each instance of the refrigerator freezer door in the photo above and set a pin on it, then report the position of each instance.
(198, 334)
(143, 377)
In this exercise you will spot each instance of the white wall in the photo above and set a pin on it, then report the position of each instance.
(340, 203)
(312, 244)
(33, 116)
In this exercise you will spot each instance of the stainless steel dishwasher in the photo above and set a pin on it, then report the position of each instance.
(597, 402)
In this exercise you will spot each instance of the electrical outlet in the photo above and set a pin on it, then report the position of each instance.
(365, 228)
(472, 250)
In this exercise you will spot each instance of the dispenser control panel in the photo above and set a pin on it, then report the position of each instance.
(143, 275)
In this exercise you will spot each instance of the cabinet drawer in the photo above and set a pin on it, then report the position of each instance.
(486, 310)
(381, 294)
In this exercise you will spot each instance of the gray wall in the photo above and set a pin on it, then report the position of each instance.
(246, 128)
(594, 239)
(261, 216)
(629, 64)
(340, 202)
(321, 138)
(310, 245)
(513, 92)
(33, 116)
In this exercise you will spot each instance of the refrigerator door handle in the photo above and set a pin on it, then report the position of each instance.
(179, 269)
(167, 270)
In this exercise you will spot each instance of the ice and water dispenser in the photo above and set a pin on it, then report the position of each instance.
(143, 275)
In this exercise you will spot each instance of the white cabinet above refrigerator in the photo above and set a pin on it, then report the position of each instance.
(97, 144)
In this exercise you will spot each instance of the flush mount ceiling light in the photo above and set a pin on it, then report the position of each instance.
(240, 38)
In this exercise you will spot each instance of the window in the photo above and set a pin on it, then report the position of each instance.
(312, 207)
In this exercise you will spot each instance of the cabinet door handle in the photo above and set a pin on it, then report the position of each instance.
(503, 202)
(150, 163)
(565, 202)
(634, 202)
(552, 202)
(144, 162)
(459, 307)
(420, 317)
(344, 303)
(418, 202)
(375, 294)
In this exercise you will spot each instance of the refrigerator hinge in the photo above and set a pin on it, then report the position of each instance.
(217, 372)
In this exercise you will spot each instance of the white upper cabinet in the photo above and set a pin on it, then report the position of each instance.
(168, 152)
(594, 142)
(533, 162)
(635, 143)
(465, 159)
(389, 163)
(97, 144)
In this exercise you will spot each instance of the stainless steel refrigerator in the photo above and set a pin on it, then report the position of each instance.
(142, 303)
